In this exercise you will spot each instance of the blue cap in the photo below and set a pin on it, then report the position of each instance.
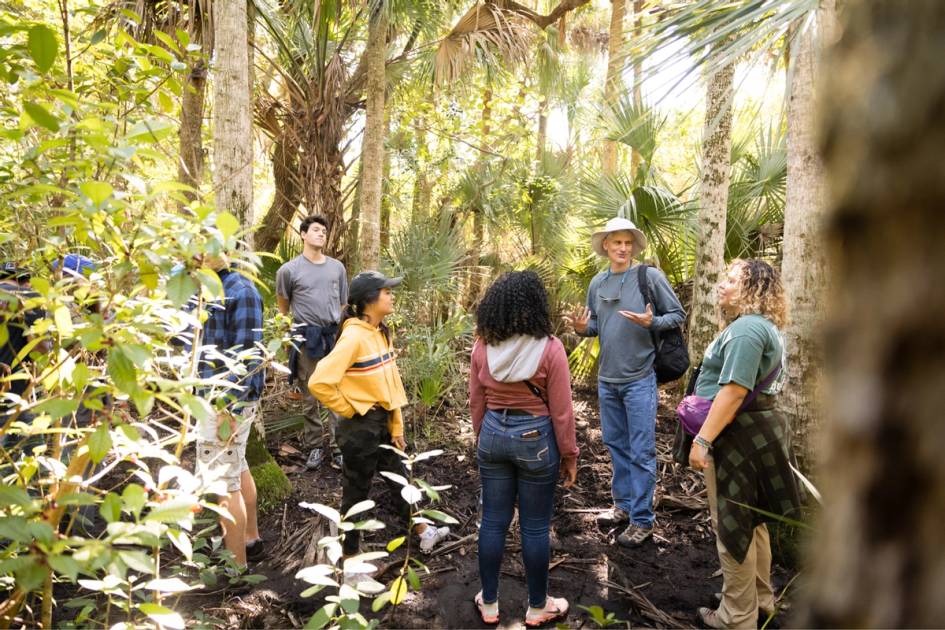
(76, 263)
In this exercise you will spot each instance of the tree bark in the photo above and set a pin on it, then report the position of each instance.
(190, 168)
(803, 268)
(475, 250)
(232, 114)
(878, 559)
(372, 152)
(287, 196)
(613, 82)
(710, 246)
(635, 157)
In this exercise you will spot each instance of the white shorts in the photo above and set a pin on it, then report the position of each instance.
(217, 459)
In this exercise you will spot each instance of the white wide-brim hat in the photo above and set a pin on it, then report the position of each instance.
(618, 224)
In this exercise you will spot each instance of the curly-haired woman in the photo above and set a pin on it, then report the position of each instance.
(744, 451)
(520, 402)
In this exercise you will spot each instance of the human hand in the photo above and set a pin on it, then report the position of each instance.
(578, 319)
(698, 457)
(399, 442)
(644, 319)
(568, 471)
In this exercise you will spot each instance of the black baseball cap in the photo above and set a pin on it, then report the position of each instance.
(368, 281)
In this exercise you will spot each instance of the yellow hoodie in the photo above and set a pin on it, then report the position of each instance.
(359, 373)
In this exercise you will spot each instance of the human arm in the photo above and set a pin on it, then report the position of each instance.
(283, 304)
(560, 404)
(669, 312)
(343, 286)
(721, 414)
(584, 320)
(283, 290)
(328, 373)
(244, 319)
(477, 392)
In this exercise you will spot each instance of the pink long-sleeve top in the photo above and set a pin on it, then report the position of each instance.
(552, 377)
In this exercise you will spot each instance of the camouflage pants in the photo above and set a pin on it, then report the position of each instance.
(360, 440)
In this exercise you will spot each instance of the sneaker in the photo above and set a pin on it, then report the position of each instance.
(432, 536)
(613, 517)
(710, 618)
(364, 583)
(634, 535)
(555, 608)
(255, 550)
(315, 459)
(337, 461)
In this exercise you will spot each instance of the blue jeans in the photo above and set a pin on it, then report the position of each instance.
(512, 464)
(628, 423)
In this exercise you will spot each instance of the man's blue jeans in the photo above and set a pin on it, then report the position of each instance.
(518, 456)
(628, 423)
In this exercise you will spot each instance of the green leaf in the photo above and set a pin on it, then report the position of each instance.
(228, 224)
(15, 528)
(413, 578)
(77, 498)
(99, 443)
(11, 495)
(137, 560)
(181, 540)
(134, 497)
(64, 565)
(439, 516)
(174, 511)
(98, 36)
(162, 616)
(80, 376)
(151, 130)
(180, 287)
(110, 509)
(122, 370)
(380, 601)
(167, 40)
(97, 192)
(63, 319)
(43, 47)
(397, 542)
(398, 590)
(57, 407)
(321, 618)
(31, 576)
(41, 115)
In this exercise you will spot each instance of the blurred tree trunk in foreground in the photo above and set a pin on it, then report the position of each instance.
(879, 554)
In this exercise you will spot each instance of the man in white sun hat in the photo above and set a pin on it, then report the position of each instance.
(616, 312)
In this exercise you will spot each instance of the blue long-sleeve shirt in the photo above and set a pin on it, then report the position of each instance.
(234, 326)
(626, 349)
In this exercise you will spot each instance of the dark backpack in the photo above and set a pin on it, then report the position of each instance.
(672, 355)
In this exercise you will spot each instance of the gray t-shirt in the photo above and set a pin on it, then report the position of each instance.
(745, 353)
(626, 349)
(316, 293)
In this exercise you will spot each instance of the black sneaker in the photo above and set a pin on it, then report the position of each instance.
(256, 550)
(634, 536)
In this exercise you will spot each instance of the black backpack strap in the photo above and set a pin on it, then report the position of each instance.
(645, 290)
(535, 390)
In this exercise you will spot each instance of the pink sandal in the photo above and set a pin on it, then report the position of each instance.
(555, 608)
(486, 618)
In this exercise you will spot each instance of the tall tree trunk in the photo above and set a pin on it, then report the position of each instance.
(541, 140)
(716, 173)
(803, 266)
(372, 152)
(232, 113)
(287, 195)
(386, 202)
(422, 186)
(475, 250)
(878, 559)
(635, 157)
(613, 82)
(190, 167)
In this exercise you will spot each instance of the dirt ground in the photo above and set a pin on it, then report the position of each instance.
(659, 584)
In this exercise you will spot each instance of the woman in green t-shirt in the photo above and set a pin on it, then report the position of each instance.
(745, 452)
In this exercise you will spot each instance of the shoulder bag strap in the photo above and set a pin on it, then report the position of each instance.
(535, 390)
(759, 388)
(645, 291)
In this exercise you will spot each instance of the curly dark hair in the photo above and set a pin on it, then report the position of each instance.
(515, 304)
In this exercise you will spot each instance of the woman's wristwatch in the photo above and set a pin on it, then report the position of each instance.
(704, 443)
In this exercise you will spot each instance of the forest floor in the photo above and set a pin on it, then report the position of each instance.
(659, 584)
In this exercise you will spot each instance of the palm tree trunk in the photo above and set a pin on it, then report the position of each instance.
(386, 203)
(475, 250)
(372, 152)
(803, 266)
(710, 247)
(287, 196)
(422, 187)
(613, 81)
(635, 157)
(878, 559)
(232, 114)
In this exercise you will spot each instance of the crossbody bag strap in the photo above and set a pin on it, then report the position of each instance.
(645, 290)
(759, 388)
(535, 390)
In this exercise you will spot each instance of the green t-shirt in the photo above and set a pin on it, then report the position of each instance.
(744, 353)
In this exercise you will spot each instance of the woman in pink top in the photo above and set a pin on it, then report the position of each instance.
(520, 402)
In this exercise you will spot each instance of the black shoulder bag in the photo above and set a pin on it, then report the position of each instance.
(672, 355)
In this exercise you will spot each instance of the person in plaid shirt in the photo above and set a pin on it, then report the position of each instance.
(233, 328)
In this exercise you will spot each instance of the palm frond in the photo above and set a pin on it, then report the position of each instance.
(635, 125)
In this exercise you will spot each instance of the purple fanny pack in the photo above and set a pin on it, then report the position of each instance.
(693, 410)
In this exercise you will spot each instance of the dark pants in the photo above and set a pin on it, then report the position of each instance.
(360, 439)
(518, 456)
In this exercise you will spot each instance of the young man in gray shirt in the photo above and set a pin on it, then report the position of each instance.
(616, 312)
(314, 288)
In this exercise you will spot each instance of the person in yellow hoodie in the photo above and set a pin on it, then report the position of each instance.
(359, 381)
